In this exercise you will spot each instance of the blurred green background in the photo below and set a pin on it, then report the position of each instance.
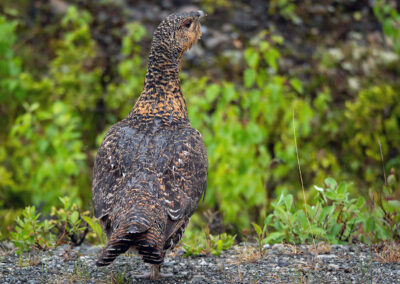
(70, 69)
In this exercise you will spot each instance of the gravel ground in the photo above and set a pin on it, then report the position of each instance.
(241, 264)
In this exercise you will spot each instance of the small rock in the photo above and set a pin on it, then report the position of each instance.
(202, 262)
(282, 263)
(326, 256)
(278, 247)
(337, 247)
(267, 246)
(332, 266)
(198, 279)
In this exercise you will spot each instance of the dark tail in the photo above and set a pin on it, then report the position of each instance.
(114, 248)
(149, 244)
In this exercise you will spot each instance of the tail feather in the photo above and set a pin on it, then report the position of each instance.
(140, 225)
(114, 248)
(149, 244)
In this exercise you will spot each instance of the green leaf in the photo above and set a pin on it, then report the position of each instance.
(212, 92)
(95, 226)
(317, 232)
(301, 218)
(74, 217)
(274, 237)
(331, 183)
(271, 56)
(393, 206)
(249, 77)
(252, 57)
(342, 188)
(258, 229)
(297, 85)
(289, 202)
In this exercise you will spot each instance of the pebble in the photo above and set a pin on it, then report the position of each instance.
(267, 246)
(198, 279)
(326, 256)
(333, 266)
(203, 262)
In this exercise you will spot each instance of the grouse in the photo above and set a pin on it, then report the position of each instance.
(151, 169)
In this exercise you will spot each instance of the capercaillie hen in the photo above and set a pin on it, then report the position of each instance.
(151, 168)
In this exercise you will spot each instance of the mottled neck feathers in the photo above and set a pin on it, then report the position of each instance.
(161, 96)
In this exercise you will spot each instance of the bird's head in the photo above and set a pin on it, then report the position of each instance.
(176, 34)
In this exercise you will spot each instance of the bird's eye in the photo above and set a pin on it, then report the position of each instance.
(187, 23)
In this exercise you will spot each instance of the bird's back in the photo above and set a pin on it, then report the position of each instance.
(148, 180)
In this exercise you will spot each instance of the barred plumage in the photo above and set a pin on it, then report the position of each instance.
(151, 168)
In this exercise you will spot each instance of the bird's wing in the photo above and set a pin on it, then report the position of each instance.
(113, 161)
(184, 181)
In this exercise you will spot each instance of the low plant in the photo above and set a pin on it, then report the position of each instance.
(334, 217)
(206, 243)
(67, 225)
(30, 232)
(96, 228)
(260, 237)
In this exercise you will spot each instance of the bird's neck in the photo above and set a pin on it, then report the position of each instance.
(161, 96)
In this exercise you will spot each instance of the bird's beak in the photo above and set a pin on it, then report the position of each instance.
(201, 14)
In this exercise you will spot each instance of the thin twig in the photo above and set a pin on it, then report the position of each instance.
(301, 179)
(383, 163)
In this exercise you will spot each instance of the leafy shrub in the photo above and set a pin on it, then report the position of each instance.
(390, 20)
(246, 129)
(32, 233)
(46, 145)
(285, 8)
(206, 243)
(334, 217)
(66, 226)
(69, 222)
(99, 235)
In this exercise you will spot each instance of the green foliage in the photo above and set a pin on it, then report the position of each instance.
(390, 20)
(334, 217)
(244, 122)
(201, 244)
(221, 243)
(131, 71)
(372, 108)
(10, 69)
(54, 118)
(285, 8)
(46, 145)
(96, 228)
(384, 221)
(69, 222)
(32, 233)
(210, 6)
(260, 237)
(74, 72)
(66, 225)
